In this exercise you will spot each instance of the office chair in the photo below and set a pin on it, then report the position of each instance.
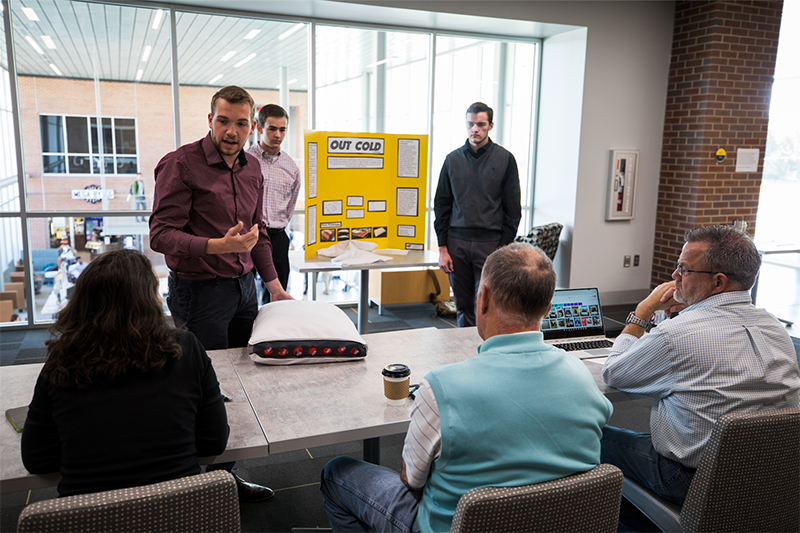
(205, 502)
(581, 502)
(545, 237)
(588, 501)
(748, 479)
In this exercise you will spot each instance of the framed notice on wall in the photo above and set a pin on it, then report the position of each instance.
(366, 186)
(622, 184)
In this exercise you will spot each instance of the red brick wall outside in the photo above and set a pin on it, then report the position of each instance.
(149, 104)
(723, 61)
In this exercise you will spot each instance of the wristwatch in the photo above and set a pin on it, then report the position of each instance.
(633, 319)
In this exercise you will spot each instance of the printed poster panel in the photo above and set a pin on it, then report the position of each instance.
(311, 185)
(366, 186)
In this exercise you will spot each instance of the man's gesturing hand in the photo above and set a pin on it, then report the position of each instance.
(233, 241)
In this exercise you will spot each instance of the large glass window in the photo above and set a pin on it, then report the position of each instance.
(776, 227)
(370, 80)
(96, 103)
(268, 58)
(11, 275)
(500, 74)
(69, 145)
(62, 246)
(85, 100)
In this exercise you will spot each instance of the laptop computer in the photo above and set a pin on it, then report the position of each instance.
(575, 323)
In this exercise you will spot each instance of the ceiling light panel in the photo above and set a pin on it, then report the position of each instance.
(30, 13)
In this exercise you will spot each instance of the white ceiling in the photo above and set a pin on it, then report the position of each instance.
(108, 42)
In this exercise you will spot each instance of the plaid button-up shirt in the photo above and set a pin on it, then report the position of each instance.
(281, 185)
(719, 356)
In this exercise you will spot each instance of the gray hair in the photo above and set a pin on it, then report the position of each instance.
(730, 251)
(522, 280)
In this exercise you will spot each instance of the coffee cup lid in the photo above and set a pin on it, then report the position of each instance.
(396, 370)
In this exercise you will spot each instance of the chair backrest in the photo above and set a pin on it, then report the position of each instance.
(582, 502)
(749, 475)
(19, 288)
(6, 310)
(545, 237)
(206, 502)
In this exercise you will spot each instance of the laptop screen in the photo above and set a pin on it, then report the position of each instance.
(575, 313)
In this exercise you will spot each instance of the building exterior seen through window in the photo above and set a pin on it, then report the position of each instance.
(71, 145)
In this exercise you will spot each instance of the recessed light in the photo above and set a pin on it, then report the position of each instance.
(243, 61)
(139, 74)
(55, 68)
(228, 55)
(30, 13)
(146, 53)
(49, 42)
(252, 34)
(291, 81)
(214, 79)
(33, 44)
(159, 16)
(381, 62)
(290, 31)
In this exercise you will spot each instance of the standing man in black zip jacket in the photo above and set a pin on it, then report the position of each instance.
(477, 207)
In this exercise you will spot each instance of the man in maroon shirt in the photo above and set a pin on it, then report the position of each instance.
(208, 222)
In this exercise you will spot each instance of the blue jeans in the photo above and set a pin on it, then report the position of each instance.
(220, 312)
(360, 496)
(633, 453)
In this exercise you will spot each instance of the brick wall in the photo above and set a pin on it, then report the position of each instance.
(720, 81)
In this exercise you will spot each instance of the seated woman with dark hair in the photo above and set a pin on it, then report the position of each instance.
(124, 399)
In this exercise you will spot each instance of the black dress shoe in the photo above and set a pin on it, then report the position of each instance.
(250, 492)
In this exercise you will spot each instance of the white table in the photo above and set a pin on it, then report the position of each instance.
(277, 409)
(18, 382)
(302, 406)
(246, 439)
(318, 264)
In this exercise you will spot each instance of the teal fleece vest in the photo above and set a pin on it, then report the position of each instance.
(521, 412)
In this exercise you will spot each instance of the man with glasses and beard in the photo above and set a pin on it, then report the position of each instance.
(720, 355)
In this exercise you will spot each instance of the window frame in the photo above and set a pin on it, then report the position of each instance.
(94, 157)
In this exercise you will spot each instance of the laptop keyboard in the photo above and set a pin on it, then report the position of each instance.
(584, 345)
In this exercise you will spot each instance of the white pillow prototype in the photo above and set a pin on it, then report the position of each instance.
(292, 332)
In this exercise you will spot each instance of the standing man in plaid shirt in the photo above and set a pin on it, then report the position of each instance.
(281, 184)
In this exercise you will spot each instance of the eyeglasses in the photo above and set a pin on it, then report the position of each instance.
(682, 271)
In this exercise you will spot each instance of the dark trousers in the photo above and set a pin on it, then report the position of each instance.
(280, 258)
(220, 312)
(468, 259)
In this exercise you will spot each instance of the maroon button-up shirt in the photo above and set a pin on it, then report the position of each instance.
(199, 197)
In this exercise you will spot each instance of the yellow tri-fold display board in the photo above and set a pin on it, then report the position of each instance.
(365, 186)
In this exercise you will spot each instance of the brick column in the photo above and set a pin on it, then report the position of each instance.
(720, 81)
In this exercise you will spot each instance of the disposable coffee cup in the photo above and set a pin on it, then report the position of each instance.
(396, 379)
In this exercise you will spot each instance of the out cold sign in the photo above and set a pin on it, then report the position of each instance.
(355, 145)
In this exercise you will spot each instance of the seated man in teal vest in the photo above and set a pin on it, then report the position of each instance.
(520, 412)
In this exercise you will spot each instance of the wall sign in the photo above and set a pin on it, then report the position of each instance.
(92, 194)
(365, 186)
